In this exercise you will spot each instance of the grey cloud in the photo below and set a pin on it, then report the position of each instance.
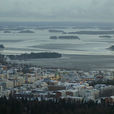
(68, 10)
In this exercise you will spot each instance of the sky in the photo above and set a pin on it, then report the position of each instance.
(57, 10)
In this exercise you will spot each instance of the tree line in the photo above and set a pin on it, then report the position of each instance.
(58, 106)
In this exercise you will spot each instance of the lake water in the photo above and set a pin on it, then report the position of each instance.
(39, 41)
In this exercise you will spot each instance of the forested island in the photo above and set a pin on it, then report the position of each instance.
(64, 37)
(105, 36)
(35, 56)
(2, 46)
(26, 31)
(7, 31)
(61, 31)
(92, 32)
(111, 48)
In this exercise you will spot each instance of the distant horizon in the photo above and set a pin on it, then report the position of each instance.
(60, 23)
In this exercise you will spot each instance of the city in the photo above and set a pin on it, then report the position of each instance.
(31, 82)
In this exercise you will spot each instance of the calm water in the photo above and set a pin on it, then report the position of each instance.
(16, 43)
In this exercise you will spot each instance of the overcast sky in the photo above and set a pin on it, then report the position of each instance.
(57, 10)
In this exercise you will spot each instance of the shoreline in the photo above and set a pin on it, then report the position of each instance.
(78, 62)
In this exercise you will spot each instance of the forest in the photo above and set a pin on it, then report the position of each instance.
(35, 56)
(58, 106)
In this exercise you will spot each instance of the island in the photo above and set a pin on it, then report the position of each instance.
(26, 31)
(53, 37)
(2, 46)
(61, 31)
(35, 56)
(111, 48)
(92, 32)
(64, 37)
(7, 31)
(105, 36)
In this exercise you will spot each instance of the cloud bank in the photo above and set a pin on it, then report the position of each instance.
(57, 10)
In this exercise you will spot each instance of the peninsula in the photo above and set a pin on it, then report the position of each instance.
(35, 56)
